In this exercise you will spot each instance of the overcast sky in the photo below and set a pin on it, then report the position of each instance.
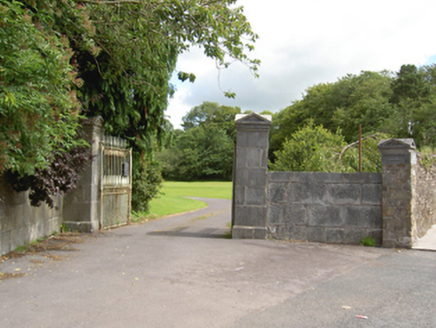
(306, 42)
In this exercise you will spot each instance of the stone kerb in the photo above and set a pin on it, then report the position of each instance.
(398, 158)
(250, 198)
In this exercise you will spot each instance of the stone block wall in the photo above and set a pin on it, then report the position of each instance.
(423, 200)
(21, 223)
(81, 210)
(395, 207)
(325, 207)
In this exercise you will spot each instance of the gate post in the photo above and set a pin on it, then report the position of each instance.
(398, 159)
(82, 206)
(250, 182)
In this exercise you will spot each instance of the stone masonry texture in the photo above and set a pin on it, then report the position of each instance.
(325, 207)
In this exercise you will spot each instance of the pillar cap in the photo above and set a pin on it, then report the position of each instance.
(397, 144)
(253, 119)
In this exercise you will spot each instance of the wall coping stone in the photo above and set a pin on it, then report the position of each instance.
(397, 144)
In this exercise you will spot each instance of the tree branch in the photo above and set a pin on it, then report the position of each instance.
(108, 2)
(355, 143)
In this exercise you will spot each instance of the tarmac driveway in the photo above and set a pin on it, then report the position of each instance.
(181, 271)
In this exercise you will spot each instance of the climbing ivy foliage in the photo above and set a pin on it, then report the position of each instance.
(126, 75)
(64, 59)
(38, 109)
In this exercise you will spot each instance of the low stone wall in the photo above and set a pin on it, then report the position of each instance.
(395, 207)
(423, 200)
(325, 207)
(21, 223)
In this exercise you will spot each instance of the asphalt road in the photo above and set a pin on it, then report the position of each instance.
(182, 272)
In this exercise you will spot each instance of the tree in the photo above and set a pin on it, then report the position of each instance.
(314, 148)
(201, 153)
(39, 113)
(210, 113)
(311, 148)
(414, 97)
(352, 100)
(120, 56)
(204, 150)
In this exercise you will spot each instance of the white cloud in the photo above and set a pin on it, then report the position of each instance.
(303, 43)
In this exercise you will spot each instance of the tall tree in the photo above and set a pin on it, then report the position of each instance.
(113, 58)
(211, 113)
(352, 100)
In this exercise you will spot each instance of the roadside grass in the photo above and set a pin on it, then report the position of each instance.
(172, 199)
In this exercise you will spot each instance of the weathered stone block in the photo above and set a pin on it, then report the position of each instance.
(254, 157)
(277, 192)
(292, 233)
(296, 214)
(353, 236)
(307, 193)
(372, 194)
(255, 196)
(244, 232)
(239, 195)
(251, 216)
(363, 216)
(275, 214)
(241, 157)
(255, 139)
(324, 177)
(325, 216)
(315, 234)
(342, 194)
(251, 177)
(279, 176)
(334, 235)
(301, 177)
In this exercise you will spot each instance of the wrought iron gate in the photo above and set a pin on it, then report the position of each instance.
(116, 182)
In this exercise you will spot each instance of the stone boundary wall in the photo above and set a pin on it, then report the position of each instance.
(80, 210)
(325, 207)
(21, 223)
(424, 199)
(395, 207)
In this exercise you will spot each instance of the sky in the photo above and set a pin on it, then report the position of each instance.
(306, 42)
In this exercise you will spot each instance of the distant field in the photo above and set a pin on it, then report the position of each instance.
(172, 200)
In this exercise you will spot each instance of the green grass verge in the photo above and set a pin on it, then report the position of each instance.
(172, 199)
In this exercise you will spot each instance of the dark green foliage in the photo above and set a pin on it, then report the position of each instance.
(204, 151)
(314, 148)
(38, 109)
(61, 59)
(200, 153)
(368, 241)
(353, 100)
(402, 106)
(146, 182)
(58, 178)
(311, 148)
(212, 114)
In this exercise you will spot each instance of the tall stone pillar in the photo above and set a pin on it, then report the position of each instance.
(82, 206)
(398, 159)
(250, 179)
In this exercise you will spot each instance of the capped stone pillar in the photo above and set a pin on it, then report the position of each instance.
(250, 182)
(82, 206)
(398, 158)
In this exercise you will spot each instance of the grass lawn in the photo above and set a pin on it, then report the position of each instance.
(172, 198)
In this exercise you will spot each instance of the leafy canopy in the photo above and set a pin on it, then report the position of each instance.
(63, 59)
(39, 111)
